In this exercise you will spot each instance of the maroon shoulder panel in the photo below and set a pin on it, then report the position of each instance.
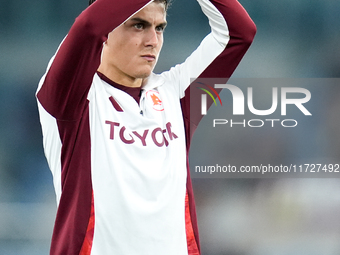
(74, 209)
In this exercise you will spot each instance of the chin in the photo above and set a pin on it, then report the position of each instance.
(144, 74)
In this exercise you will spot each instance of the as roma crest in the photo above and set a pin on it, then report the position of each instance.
(153, 97)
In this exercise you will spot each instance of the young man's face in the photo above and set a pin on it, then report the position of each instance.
(132, 49)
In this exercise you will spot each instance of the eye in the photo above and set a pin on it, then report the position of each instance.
(139, 26)
(160, 29)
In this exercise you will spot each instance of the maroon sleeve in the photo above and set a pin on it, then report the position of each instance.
(67, 82)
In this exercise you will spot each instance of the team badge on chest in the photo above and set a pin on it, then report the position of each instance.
(154, 99)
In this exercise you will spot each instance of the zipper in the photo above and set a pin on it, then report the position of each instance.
(142, 103)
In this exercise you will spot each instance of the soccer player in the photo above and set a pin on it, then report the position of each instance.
(116, 135)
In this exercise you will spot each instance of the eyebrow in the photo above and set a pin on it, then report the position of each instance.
(147, 23)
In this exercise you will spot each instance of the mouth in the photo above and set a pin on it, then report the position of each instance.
(149, 57)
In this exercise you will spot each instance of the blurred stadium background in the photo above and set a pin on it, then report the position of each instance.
(295, 38)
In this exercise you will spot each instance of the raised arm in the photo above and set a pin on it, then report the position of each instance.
(63, 89)
(232, 32)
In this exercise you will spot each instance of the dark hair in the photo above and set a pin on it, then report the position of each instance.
(165, 2)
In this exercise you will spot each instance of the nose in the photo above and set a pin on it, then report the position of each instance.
(151, 38)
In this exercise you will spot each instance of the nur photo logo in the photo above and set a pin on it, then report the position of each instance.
(279, 100)
(204, 97)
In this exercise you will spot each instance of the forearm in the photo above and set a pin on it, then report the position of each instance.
(233, 28)
(70, 75)
(218, 55)
(227, 18)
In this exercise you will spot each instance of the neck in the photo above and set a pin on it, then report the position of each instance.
(120, 78)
